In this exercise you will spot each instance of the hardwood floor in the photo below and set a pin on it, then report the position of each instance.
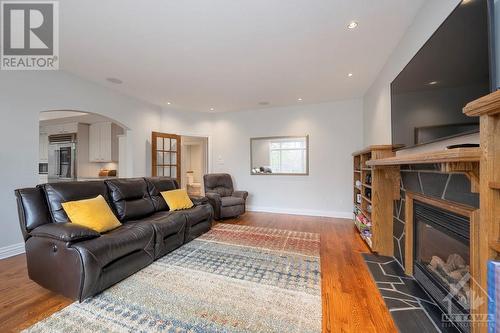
(351, 301)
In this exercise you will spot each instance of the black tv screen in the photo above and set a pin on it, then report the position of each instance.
(450, 70)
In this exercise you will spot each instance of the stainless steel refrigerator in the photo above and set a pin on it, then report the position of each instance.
(62, 158)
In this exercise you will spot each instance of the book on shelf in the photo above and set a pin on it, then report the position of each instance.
(494, 295)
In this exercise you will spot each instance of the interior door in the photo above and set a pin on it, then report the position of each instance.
(166, 155)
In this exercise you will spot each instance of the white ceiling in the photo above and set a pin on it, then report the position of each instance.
(232, 54)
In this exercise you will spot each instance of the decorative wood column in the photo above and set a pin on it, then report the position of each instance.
(386, 180)
(487, 109)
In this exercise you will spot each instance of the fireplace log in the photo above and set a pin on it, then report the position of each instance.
(455, 261)
(451, 274)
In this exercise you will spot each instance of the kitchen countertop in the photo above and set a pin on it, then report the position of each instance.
(79, 179)
(82, 179)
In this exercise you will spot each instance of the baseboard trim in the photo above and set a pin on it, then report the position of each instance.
(11, 250)
(305, 212)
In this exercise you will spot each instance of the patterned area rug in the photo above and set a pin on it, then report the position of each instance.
(232, 279)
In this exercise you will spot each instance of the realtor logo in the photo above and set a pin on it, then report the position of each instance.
(29, 35)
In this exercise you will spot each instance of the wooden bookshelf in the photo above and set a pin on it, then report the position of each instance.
(370, 197)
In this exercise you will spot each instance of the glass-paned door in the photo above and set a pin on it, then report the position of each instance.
(166, 155)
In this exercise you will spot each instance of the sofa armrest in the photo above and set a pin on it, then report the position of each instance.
(213, 196)
(66, 232)
(240, 194)
(197, 200)
(215, 201)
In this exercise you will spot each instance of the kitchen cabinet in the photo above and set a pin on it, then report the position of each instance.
(103, 142)
(61, 128)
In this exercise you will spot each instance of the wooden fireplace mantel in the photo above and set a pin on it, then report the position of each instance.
(472, 155)
(464, 160)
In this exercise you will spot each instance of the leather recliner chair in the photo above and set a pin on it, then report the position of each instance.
(220, 192)
(79, 262)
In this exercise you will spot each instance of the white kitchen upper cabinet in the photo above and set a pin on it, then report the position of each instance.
(103, 142)
(51, 129)
(94, 145)
(61, 128)
(69, 128)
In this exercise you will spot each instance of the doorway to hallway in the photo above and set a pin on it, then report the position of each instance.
(194, 163)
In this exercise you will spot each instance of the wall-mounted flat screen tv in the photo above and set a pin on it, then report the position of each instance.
(454, 67)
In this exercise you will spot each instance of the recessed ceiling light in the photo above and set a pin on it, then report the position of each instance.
(168, 103)
(433, 83)
(299, 99)
(353, 25)
(114, 80)
(350, 74)
(212, 109)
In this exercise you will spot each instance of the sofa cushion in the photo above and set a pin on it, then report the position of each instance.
(118, 243)
(169, 229)
(166, 223)
(57, 193)
(156, 185)
(199, 221)
(130, 198)
(232, 201)
(198, 214)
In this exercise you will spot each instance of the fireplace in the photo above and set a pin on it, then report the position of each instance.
(441, 256)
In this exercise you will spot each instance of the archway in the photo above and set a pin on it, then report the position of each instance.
(76, 145)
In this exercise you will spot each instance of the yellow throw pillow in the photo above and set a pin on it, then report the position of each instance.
(177, 199)
(92, 213)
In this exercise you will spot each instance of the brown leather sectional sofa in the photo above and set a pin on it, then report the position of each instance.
(78, 262)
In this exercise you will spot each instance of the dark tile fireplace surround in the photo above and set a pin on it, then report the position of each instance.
(432, 227)
(428, 180)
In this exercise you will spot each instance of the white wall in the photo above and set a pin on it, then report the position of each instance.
(377, 100)
(335, 132)
(23, 94)
(186, 123)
